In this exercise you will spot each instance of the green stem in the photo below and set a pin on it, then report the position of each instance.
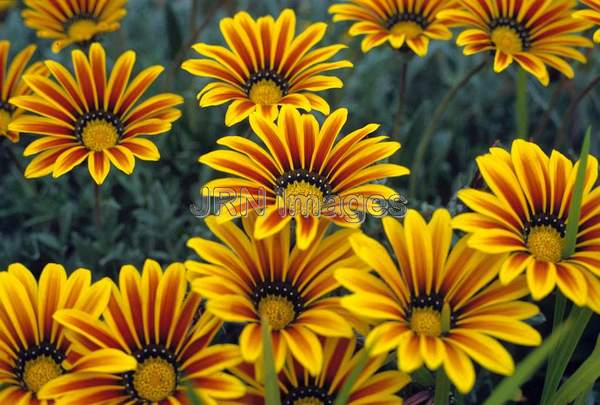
(272, 396)
(433, 124)
(442, 388)
(344, 393)
(559, 309)
(97, 207)
(521, 110)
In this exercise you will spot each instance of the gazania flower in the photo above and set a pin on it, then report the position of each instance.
(32, 345)
(592, 15)
(533, 33)
(11, 84)
(340, 356)
(524, 215)
(304, 174)
(434, 306)
(73, 22)
(156, 325)
(91, 118)
(266, 66)
(249, 279)
(402, 23)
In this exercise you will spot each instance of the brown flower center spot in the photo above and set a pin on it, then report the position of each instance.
(545, 243)
(39, 371)
(277, 310)
(408, 28)
(99, 134)
(155, 379)
(426, 321)
(265, 92)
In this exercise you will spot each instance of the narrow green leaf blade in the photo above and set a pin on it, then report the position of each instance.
(344, 394)
(575, 208)
(509, 387)
(272, 396)
(581, 380)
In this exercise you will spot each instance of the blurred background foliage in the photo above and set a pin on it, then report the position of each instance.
(147, 214)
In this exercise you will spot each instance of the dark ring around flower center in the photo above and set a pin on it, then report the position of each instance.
(268, 75)
(416, 18)
(299, 393)
(519, 28)
(98, 115)
(149, 352)
(293, 176)
(545, 220)
(434, 301)
(282, 289)
(32, 353)
(8, 107)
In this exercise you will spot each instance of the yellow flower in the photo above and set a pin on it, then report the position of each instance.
(592, 15)
(533, 33)
(33, 345)
(151, 342)
(304, 174)
(524, 215)
(437, 306)
(340, 356)
(73, 22)
(266, 66)
(93, 117)
(402, 23)
(245, 280)
(12, 85)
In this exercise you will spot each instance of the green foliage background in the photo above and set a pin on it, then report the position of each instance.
(147, 214)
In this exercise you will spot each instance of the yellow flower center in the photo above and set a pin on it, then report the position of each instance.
(5, 118)
(39, 371)
(82, 29)
(309, 401)
(409, 28)
(507, 40)
(155, 379)
(265, 92)
(303, 198)
(278, 310)
(545, 243)
(426, 321)
(98, 135)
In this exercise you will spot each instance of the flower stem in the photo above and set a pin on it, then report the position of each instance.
(433, 124)
(344, 393)
(442, 388)
(521, 110)
(97, 207)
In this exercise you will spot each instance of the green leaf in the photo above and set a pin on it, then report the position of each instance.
(191, 394)
(575, 208)
(344, 393)
(581, 380)
(272, 396)
(442, 387)
(562, 353)
(509, 387)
